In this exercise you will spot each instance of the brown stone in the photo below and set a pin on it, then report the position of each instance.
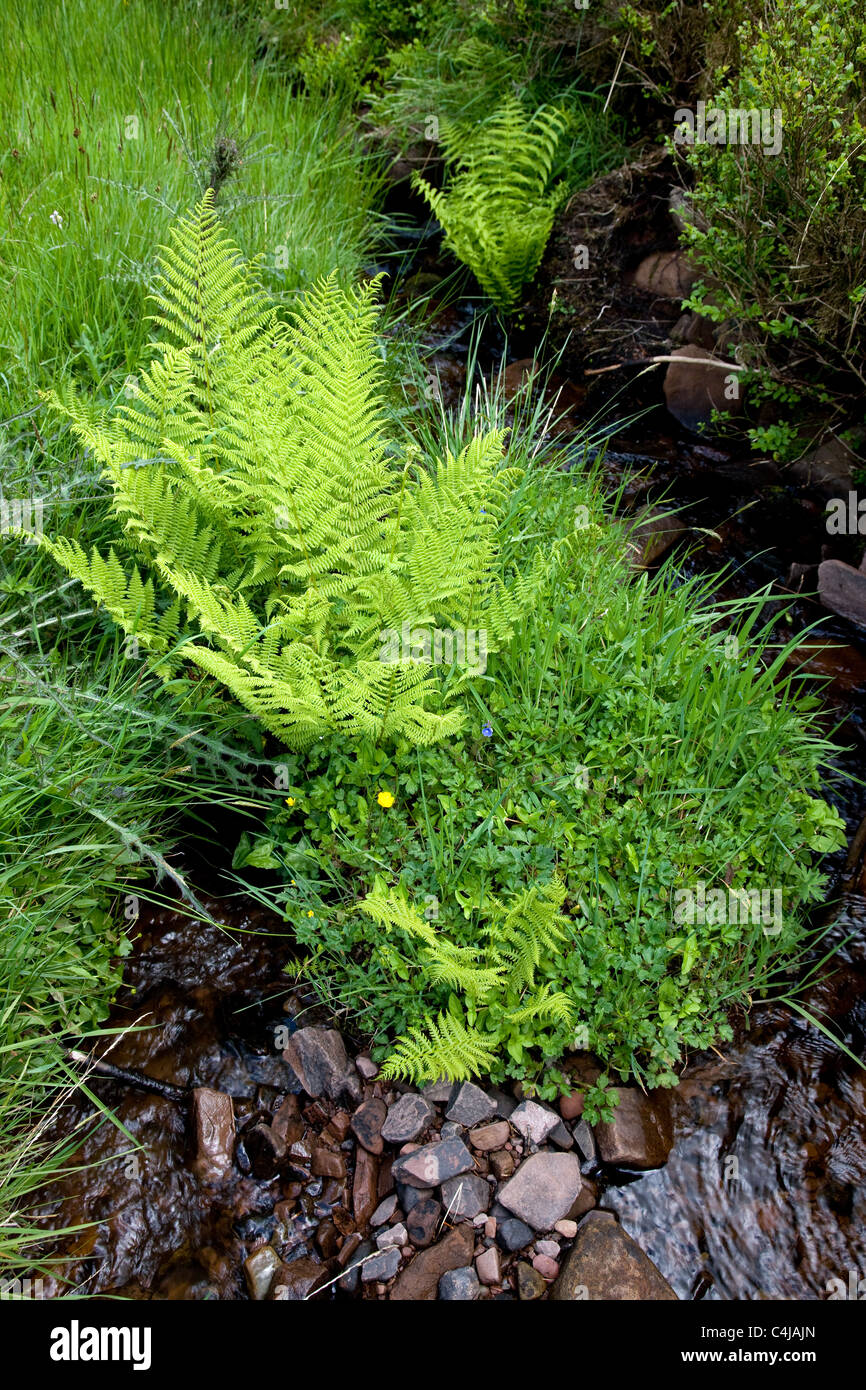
(299, 1280)
(422, 1222)
(640, 1135)
(651, 537)
(502, 1164)
(842, 589)
(490, 1137)
(419, 1281)
(365, 1193)
(697, 383)
(214, 1120)
(367, 1123)
(571, 1106)
(530, 1284)
(605, 1263)
(327, 1164)
(287, 1122)
(666, 274)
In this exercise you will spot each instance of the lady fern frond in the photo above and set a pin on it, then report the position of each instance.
(443, 1047)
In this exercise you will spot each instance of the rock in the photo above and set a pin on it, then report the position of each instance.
(530, 1284)
(419, 1281)
(544, 1189)
(407, 1119)
(830, 467)
(422, 1222)
(260, 1268)
(287, 1123)
(266, 1150)
(518, 377)
(490, 1137)
(459, 1285)
(411, 1196)
(394, 1235)
(214, 1120)
(505, 1104)
(487, 1267)
(319, 1059)
(299, 1280)
(352, 1278)
(546, 1267)
(694, 328)
(547, 1247)
(697, 383)
(666, 274)
(842, 589)
(367, 1123)
(327, 1164)
(534, 1121)
(513, 1234)
(327, 1240)
(605, 1263)
(366, 1068)
(650, 539)
(502, 1164)
(438, 1092)
(566, 1228)
(640, 1135)
(384, 1211)
(365, 1192)
(560, 1136)
(452, 1130)
(470, 1106)
(571, 1106)
(382, 1266)
(433, 1164)
(465, 1196)
(584, 1140)
(586, 1201)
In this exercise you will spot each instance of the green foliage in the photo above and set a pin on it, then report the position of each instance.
(498, 208)
(280, 542)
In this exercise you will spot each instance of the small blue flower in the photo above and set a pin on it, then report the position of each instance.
(487, 731)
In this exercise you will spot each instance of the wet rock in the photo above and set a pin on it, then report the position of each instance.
(586, 1201)
(544, 1189)
(287, 1123)
(842, 589)
(422, 1222)
(655, 533)
(367, 1123)
(513, 1234)
(465, 1196)
(640, 1135)
(487, 1267)
(530, 1284)
(666, 274)
(490, 1137)
(419, 1281)
(266, 1150)
(547, 1247)
(502, 1164)
(384, 1211)
(214, 1120)
(259, 1269)
(470, 1106)
(365, 1194)
(299, 1280)
(408, 1118)
(327, 1239)
(438, 1092)
(534, 1121)
(394, 1235)
(697, 383)
(433, 1164)
(327, 1164)
(605, 1263)
(382, 1266)
(459, 1285)
(319, 1059)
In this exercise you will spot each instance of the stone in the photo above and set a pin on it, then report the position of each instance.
(560, 1136)
(530, 1284)
(566, 1228)
(408, 1118)
(842, 589)
(366, 1068)
(652, 536)
(640, 1135)
(352, 1278)
(584, 1140)
(490, 1137)
(266, 1150)
(546, 1267)
(605, 1263)
(505, 1104)
(534, 1121)
(459, 1285)
(433, 1164)
(367, 1123)
(259, 1269)
(586, 1201)
(327, 1240)
(214, 1121)
(571, 1106)
(450, 1130)
(299, 1280)
(438, 1092)
(544, 1189)
(382, 1266)
(470, 1106)
(697, 383)
(327, 1164)
(287, 1122)
(419, 1281)
(394, 1235)
(384, 1211)
(365, 1193)
(465, 1196)
(487, 1267)
(411, 1196)
(548, 1247)
(502, 1164)
(422, 1222)
(513, 1234)
(830, 468)
(665, 274)
(319, 1059)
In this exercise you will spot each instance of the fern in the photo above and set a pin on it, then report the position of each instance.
(498, 209)
(274, 530)
(501, 990)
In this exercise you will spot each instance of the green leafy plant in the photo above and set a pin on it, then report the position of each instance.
(498, 208)
(276, 536)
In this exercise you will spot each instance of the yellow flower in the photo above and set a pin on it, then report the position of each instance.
(290, 801)
(310, 913)
(385, 799)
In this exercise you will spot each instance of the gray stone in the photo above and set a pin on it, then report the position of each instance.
(544, 1189)
(352, 1277)
(382, 1266)
(450, 1130)
(394, 1235)
(367, 1067)
(584, 1140)
(408, 1118)
(465, 1196)
(534, 1121)
(842, 589)
(411, 1196)
(513, 1234)
(560, 1136)
(470, 1106)
(319, 1059)
(505, 1104)
(438, 1092)
(459, 1285)
(384, 1211)
(605, 1263)
(434, 1164)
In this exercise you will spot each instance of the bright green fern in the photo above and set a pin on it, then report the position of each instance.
(270, 532)
(500, 991)
(497, 211)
